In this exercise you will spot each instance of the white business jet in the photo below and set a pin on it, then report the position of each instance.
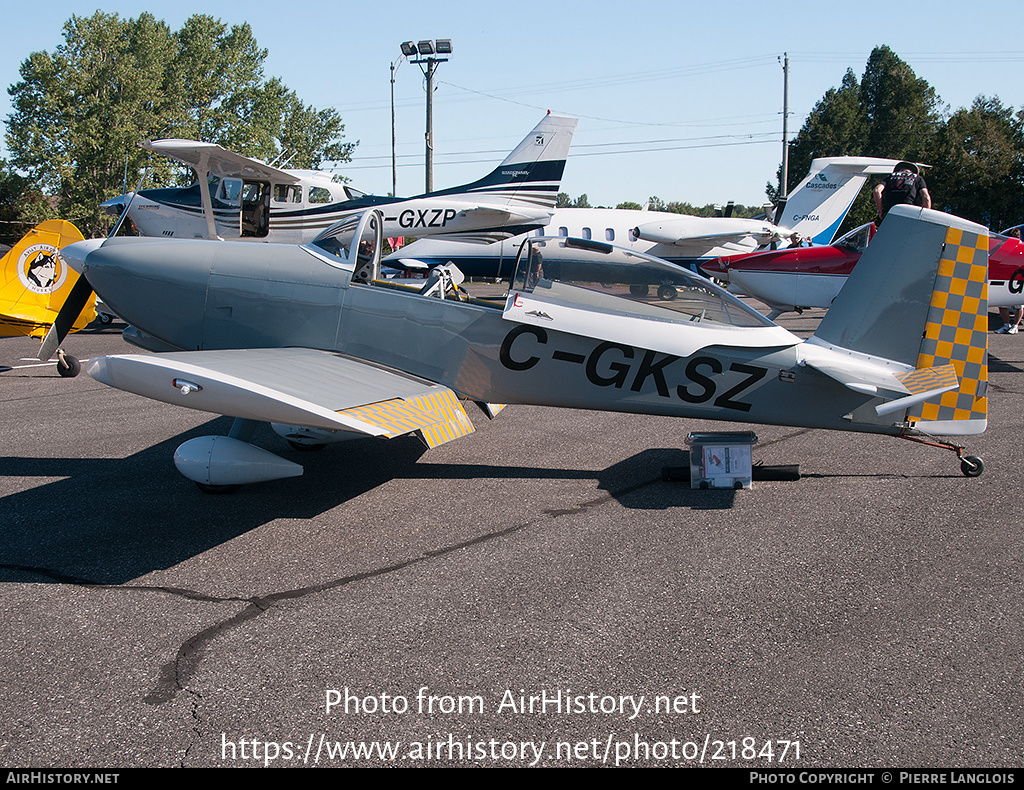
(813, 212)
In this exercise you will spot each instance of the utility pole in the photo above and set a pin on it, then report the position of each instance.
(428, 64)
(785, 125)
(394, 164)
(429, 135)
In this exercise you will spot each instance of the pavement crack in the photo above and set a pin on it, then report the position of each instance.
(175, 675)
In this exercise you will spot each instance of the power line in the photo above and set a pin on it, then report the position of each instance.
(773, 139)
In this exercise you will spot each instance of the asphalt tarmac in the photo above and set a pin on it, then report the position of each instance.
(533, 593)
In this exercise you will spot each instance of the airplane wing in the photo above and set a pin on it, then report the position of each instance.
(292, 386)
(717, 239)
(219, 161)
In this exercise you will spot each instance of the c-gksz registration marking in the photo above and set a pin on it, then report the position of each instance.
(617, 365)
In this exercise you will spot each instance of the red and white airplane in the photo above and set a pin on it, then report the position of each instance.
(795, 278)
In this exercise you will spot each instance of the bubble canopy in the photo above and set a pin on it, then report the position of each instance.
(613, 280)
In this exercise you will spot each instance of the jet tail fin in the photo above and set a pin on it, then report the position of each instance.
(35, 280)
(531, 174)
(818, 205)
(919, 298)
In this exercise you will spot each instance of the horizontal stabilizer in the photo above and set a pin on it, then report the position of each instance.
(818, 205)
(918, 298)
(505, 216)
(859, 377)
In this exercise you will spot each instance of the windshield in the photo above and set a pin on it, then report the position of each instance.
(615, 280)
(857, 239)
(339, 239)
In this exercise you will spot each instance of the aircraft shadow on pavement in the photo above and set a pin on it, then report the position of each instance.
(997, 365)
(111, 520)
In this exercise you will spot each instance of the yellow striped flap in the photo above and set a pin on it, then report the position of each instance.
(918, 381)
(438, 416)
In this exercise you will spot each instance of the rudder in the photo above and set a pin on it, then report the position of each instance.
(35, 280)
(956, 333)
(917, 302)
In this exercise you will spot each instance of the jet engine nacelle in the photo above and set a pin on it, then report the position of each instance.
(689, 229)
(223, 461)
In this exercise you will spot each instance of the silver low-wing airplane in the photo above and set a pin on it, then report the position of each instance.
(814, 210)
(235, 197)
(312, 340)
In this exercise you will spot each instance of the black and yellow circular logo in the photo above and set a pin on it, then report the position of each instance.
(41, 269)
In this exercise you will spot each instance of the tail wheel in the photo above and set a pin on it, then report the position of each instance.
(971, 465)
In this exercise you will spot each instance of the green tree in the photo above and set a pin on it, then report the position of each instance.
(22, 205)
(979, 171)
(903, 112)
(81, 112)
(563, 200)
(890, 113)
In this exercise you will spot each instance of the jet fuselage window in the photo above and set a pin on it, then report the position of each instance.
(609, 234)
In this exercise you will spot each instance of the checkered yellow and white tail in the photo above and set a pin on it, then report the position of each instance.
(956, 334)
(918, 298)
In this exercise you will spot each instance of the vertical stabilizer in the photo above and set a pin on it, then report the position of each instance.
(532, 173)
(818, 205)
(35, 280)
(956, 333)
(919, 298)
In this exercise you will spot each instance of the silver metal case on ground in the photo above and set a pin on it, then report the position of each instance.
(721, 459)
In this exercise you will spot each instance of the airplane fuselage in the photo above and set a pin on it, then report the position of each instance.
(814, 276)
(214, 297)
(615, 226)
(178, 213)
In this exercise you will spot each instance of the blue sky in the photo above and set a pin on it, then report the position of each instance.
(675, 99)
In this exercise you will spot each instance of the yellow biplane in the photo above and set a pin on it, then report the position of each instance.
(35, 281)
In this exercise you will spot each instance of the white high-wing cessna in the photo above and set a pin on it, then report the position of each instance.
(813, 212)
(239, 198)
(311, 339)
